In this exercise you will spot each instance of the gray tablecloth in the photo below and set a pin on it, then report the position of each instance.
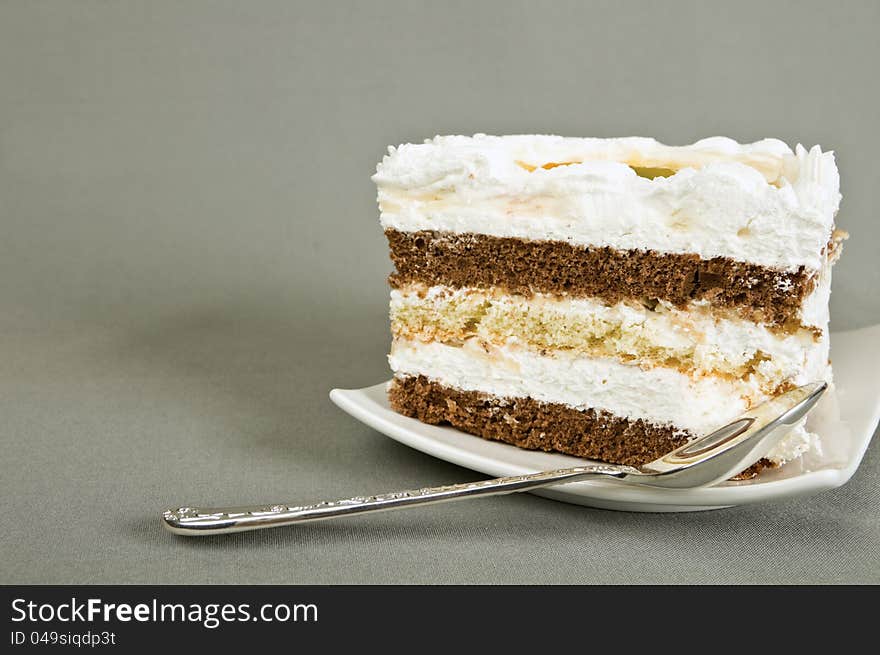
(190, 258)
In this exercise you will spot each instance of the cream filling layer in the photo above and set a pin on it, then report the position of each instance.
(697, 342)
(660, 396)
(758, 203)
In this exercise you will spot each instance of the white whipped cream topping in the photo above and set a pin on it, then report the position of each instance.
(659, 396)
(759, 202)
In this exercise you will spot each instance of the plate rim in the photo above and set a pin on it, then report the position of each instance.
(362, 405)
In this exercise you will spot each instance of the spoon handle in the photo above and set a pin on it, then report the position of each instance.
(193, 521)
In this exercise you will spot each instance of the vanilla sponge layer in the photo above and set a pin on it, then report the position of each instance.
(697, 342)
(659, 396)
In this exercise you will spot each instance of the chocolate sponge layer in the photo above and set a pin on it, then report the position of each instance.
(520, 266)
(536, 425)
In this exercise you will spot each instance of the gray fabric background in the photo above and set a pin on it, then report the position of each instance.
(190, 258)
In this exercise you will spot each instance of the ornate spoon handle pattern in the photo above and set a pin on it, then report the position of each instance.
(221, 520)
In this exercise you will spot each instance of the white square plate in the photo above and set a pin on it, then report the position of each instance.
(845, 420)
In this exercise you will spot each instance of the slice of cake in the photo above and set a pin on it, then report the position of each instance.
(606, 298)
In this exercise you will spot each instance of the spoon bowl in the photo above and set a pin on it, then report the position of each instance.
(731, 449)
